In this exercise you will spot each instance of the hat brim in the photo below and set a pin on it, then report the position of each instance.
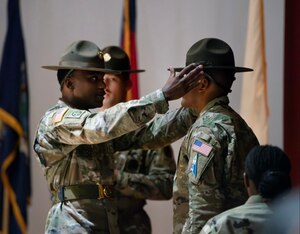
(55, 68)
(235, 69)
(124, 71)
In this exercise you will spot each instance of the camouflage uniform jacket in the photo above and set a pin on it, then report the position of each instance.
(76, 147)
(209, 175)
(142, 174)
(247, 218)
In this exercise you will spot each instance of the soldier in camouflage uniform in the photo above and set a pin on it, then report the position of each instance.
(141, 174)
(266, 177)
(75, 146)
(210, 165)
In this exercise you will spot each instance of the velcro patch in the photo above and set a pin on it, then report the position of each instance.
(58, 116)
(74, 114)
(201, 147)
(194, 165)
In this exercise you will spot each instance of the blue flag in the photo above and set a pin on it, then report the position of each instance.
(15, 186)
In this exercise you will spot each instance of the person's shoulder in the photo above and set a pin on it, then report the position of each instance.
(216, 224)
(50, 112)
(226, 221)
(216, 114)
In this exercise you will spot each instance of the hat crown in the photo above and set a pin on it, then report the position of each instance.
(116, 59)
(82, 54)
(211, 52)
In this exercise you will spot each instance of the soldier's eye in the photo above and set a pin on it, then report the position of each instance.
(94, 78)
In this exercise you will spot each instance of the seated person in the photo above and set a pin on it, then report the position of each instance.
(266, 177)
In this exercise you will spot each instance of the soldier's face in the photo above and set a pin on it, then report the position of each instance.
(87, 89)
(115, 90)
(191, 99)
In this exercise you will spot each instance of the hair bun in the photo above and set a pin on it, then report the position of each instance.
(274, 183)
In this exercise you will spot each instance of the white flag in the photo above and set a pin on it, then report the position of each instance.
(254, 101)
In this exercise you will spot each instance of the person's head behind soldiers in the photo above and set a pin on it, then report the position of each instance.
(117, 76)
(80, 74)
(267, 172)
(218, 62)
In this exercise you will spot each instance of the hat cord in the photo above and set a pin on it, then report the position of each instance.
(66, 76)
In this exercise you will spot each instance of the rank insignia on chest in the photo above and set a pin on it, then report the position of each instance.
(201, 147)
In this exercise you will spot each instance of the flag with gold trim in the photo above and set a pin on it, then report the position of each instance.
(15, 186)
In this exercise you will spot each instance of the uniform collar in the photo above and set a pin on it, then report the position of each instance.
(216, 101)
(61, 103)
(256, 199)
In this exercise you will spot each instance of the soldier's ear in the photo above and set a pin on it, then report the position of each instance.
(69, 83)
(203, 84)
(246, 180)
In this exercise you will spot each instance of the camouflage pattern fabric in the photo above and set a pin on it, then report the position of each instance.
(142, 175)
(131, 222)
(76, 147)
(83, 216)
(248, 218)
(209, 176)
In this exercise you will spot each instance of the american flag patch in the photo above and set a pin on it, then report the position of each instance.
(201, 147)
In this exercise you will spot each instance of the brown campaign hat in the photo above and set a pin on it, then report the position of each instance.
(81, 55)
(213, 54)
(117, 61)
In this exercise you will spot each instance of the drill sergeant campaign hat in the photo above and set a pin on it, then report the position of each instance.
(216, 56)
(81, 55)
(117, 61)
(213, 54)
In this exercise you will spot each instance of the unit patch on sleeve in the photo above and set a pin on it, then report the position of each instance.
(194, 165)
(201, 147)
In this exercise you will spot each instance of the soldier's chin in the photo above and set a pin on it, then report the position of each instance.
(106, 103)
(184, 103)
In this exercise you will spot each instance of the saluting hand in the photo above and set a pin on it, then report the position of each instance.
(186, 80)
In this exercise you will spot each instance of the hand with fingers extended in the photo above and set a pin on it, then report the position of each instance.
(180, 84)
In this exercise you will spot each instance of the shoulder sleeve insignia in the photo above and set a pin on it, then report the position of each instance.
(58, 116)
(194, 165)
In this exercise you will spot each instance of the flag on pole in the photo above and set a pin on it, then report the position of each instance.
(254, 102)
(14, 144)
(128, 43)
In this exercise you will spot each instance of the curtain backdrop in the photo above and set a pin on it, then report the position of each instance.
(292, 86)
